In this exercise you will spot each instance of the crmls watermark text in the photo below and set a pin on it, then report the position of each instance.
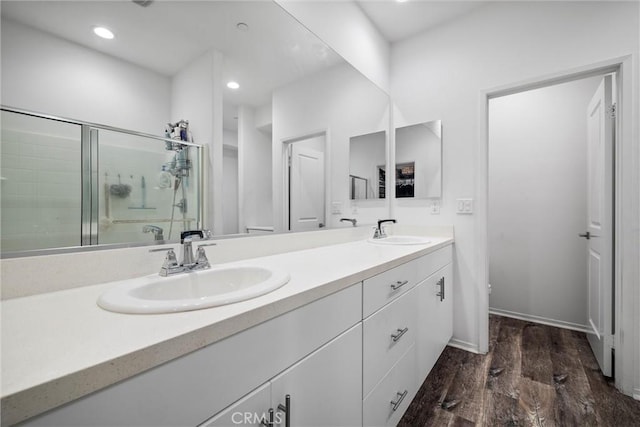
(254, 418)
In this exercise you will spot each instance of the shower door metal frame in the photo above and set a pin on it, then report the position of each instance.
(89, 178)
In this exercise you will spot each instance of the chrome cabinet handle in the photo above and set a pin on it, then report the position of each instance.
(441, 284)
(587, 235)
(395, 337)
(400, 397)
(398, 284)
(269, 422)
(286, 408)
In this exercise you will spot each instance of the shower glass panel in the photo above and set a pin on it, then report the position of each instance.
(40, 179)
(148, 189)
(66, 184)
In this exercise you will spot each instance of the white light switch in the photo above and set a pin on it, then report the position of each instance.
(435, 208)
(464, 206)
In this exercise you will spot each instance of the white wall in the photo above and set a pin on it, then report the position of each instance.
(196, 95)
(440, 75)
(538, 189)
(341, 102)
(254, 163)
(345, 28)
(47, 74)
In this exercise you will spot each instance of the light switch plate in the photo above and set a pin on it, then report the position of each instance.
(435, 208)
(336, 208)
(464, 206)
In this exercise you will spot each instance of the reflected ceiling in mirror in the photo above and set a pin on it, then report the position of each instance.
(263, 47)
(419, 161)
(367, 160)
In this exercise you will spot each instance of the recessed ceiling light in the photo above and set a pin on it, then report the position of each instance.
(233, 85)
(401, 1)
(103, 32)
(242, 26)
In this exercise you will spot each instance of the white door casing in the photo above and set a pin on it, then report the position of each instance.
(306, 189)
(600, 134)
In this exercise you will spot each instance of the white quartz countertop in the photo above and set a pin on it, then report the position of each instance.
(59, 346)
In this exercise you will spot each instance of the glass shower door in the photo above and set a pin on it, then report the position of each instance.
(40, 179)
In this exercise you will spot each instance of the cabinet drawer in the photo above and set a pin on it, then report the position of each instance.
(388, 334)
(385, 287)
(390, 399)
(429, 264)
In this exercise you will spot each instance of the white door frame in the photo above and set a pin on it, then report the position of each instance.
(285, 175)
(626, 216)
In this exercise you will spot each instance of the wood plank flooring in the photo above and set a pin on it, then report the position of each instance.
(533, 375)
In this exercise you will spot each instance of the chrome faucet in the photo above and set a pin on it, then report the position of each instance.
(189, 262)
(351, 220)
(379, 232)
(157, 231)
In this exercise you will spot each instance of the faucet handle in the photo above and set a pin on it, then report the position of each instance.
(170, 264)
(201, 258)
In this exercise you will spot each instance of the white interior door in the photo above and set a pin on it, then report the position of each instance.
(600, 133)
(306, 188)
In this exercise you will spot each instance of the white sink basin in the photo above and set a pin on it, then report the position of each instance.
(191, 291)
(401, 240)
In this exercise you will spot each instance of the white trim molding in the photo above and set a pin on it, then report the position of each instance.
(464, 345)
(542, 320)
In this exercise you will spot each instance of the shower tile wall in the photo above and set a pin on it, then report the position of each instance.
(40, 186)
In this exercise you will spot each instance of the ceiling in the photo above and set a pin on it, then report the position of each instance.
(397, 21)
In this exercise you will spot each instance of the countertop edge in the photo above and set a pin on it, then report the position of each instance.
(24, 404)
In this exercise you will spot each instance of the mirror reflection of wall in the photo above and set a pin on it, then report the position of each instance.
(419, 160)
(367, 158)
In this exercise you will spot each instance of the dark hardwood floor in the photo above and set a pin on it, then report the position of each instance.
(533, 375)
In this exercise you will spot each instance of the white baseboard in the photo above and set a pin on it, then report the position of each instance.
(543, 320)
(463, 345)
(636, 393)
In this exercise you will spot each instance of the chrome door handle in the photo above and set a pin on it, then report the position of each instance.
(398, 284)
(587, 235)
(395, 337)
(400, 397)
(269, 422)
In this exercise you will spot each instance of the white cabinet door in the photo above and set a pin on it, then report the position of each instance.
(435, 317)
(248, 411)
(325, 388)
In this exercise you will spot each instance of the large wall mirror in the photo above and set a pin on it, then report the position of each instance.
(418, 169)
(173, 60)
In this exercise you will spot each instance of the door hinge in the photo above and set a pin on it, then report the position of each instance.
(611, 112)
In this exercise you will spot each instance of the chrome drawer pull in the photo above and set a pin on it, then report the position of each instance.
(398, 284)
(399, 335)
(441, 284)
(400, 398)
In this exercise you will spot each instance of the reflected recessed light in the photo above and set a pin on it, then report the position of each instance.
(233, 85)
(401, 1)
(103, 32)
